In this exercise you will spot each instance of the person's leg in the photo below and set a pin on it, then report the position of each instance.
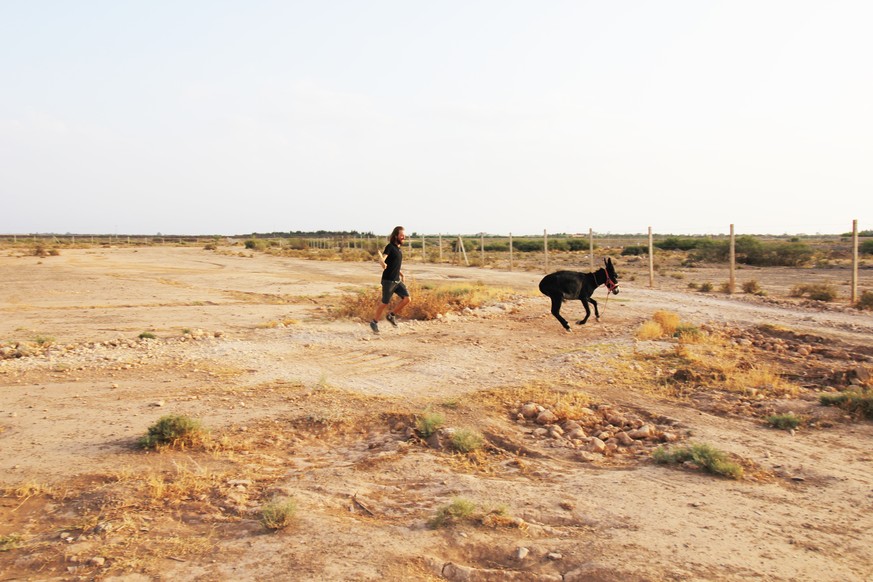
(403, 303)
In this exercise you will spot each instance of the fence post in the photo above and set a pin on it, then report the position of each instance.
(732, 283)
(651, 260)
(441, 247)
(591, 247)
(510, 251)
(482, 247)
(546, 248)
(463, 250)
(423, 252)
(854, 293)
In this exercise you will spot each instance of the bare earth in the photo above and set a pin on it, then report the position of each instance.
(320, 410)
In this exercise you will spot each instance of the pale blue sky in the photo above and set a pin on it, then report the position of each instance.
(138, 117)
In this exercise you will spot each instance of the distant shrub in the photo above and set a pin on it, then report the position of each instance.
(210, 246)
(705, 287)
(784, 421)
(687, 332)
(527, 245)
(675, 243)
(278, 513)
(458, 510)
(725, 287)
(752, 287)
(634, 250)
(429, 422)
(860, 402)
(866, 301)
(256, 244)
(172, 431)
(866, 247)
(751, 251)
(700, 455)
(466, 441)
(815, 291)
(146, 335)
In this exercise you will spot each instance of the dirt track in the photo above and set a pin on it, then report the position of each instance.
(68, 419)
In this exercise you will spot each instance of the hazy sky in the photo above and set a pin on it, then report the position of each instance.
(139, 117)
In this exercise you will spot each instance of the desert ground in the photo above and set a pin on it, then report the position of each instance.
(303, 405)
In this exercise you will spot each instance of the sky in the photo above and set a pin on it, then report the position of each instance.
(494, 116)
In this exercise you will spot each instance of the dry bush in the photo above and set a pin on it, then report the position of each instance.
(650, 330)
(668, 321)
(428, 301)
(866, 301)
(815, 291)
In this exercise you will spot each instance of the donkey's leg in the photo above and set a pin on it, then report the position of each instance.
(596, 313)
(556, 310)
(584, 301)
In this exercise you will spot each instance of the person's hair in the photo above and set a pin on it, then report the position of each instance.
(395, 234)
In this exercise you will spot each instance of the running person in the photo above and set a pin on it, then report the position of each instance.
(392, 279)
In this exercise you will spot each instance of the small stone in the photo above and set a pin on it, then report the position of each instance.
(595, 445)
(97, 561)
(158, 403)
(555, 556)
(529, 410)
(521, 553)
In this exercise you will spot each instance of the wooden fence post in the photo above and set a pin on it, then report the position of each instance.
(854, 294)
(732, 283)
(482, 247)
(510, 251)
(441, 247)
(546, 248)
(423, 252)
(591, 247)
(651, 260)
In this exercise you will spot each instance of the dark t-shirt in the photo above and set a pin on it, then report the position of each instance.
(393, 259)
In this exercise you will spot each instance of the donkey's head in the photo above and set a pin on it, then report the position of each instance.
(611, 277)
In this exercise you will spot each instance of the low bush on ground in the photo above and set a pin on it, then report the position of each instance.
(700, 455)
(667, 324)
(705, 287)
(457, 511)
(146, 335)
(428, 301)
(858, 402)
(752, 288)
(866, 301)
(173, 431)
(466, 441)
(784, 421)
(634, 250)
(278, 513)
(428, 423)
(9, 542)
(815, 291)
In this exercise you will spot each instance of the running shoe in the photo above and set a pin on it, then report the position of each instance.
(391, 319)
(374, 326)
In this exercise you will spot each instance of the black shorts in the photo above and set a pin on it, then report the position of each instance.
(389, 288)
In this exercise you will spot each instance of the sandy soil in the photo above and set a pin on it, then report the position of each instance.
(320, 410)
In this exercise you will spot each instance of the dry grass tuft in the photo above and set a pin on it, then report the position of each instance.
(428, 301)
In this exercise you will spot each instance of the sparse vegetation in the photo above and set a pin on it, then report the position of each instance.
(858, 402)
(865, 302)
(146, 335)
(785, 421)
(428, 301)
(10, 541)
(752, 288)
(700, 455)
(705, 287)
(278, 513)
(815, 291)
(457, 511)
(173, 431)
(428, 423)
(43, 341)
(466, 440)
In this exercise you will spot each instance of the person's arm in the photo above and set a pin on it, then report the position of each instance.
(382, 261)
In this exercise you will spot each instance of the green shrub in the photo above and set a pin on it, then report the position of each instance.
(256, 244)
(466, 440)
(859, 402)
(865, 301)
(458, 510)
(815, 291)
(10, 542)
(866, 247)
(634, 250)
(172, 431)
(705, 287)
(146, 335)
(675, 243)
(278, 513)
(701, 455)
(428, 423)
(687, 331)
(784, 421)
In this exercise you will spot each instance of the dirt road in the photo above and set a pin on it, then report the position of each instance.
(320, 410)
